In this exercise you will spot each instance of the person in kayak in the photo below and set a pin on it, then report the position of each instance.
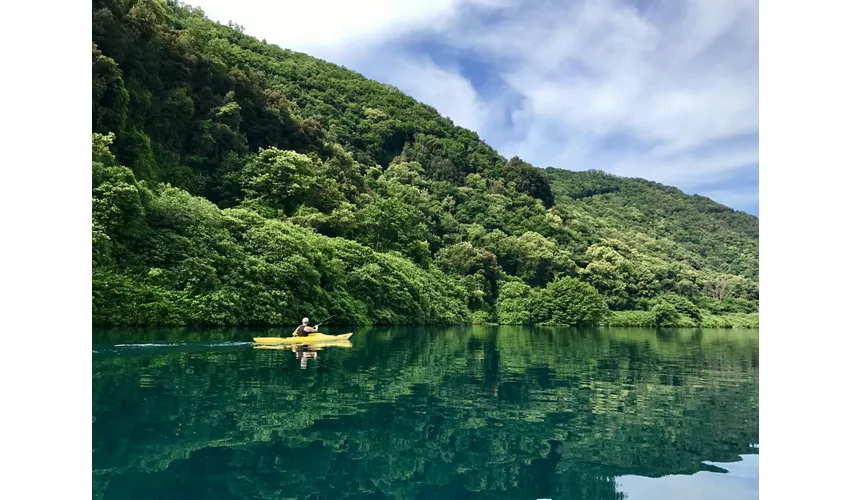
(303, 330)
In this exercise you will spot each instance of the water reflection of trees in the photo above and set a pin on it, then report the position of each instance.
(425, 413)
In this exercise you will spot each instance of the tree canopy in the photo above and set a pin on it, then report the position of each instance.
(237, 182)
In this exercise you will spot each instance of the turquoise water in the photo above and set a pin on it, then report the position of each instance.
(427, 413)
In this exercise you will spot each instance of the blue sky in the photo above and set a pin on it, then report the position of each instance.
(740, 481)
(664, 90)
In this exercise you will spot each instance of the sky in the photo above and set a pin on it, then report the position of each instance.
(740, 481)
(665, 90)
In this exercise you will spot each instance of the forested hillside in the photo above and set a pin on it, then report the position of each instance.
(235, 182)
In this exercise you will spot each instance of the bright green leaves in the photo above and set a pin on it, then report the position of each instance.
(100, 149)
(664, 314)
(478, 270)
(682, 306)
(185, 261)
(279, 183)
(531, 256)
(569, 301)
(118, 201)
(516, 303)
(278, 180)
(564, 301)
(230, 113)
(391, 224)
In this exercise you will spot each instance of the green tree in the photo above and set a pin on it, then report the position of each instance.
(569, 301)
(109, 96)
(517, 303)
(527, 179)
(664, 314)
(279, 180)
(477, 267)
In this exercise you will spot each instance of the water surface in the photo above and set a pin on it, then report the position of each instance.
(427, 413)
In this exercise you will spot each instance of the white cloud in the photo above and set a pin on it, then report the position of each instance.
(595, 70)
(740, 482)
(690, 168)
(325, 25)
(419, 76)
(668, 84)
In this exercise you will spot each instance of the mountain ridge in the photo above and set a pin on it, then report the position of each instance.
(257, 136)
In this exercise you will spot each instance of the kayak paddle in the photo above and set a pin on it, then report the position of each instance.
(320, 322)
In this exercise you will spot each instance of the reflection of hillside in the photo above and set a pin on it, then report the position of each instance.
(542, 412)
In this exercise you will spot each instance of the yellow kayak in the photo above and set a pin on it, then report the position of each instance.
(313, 338)
(315, 347)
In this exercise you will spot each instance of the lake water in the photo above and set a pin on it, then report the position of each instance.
(427, 413)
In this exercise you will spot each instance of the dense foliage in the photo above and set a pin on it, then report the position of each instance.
(237, 182)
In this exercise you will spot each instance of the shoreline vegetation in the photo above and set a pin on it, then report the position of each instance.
(238, 183)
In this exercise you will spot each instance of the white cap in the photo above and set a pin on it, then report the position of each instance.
(305, 320)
